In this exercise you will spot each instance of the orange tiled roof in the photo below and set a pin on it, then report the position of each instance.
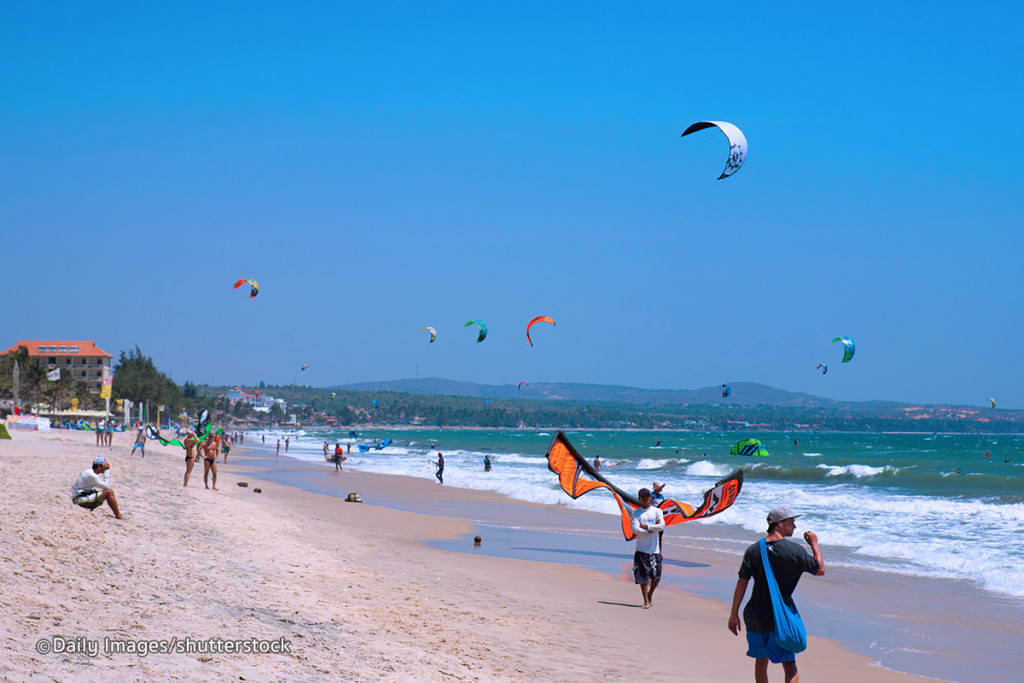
(53, 348)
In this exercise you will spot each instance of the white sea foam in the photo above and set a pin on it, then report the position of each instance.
(855, 470)
(706, 468)
(653, 463)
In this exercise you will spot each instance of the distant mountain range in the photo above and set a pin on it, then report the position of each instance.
(743, 393)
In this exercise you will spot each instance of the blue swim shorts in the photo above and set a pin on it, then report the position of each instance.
(761, 645)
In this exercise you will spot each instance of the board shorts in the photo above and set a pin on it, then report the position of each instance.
(761, 645)
(139, 445)
(646, 567)
(87, 499)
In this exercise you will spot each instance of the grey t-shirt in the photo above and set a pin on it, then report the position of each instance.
(789, 560)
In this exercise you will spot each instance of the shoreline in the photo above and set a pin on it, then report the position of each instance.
(409, 427)
(354, 588)
(872, 613)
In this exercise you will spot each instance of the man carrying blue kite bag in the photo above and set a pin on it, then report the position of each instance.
(775, 632)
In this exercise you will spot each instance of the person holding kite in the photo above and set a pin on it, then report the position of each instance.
(648, 522)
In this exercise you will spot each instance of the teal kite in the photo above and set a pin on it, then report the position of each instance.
(483, 329)
(848, 348)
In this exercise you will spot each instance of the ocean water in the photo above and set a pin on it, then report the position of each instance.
(907, 504)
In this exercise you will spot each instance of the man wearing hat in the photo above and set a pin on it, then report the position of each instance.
(90, 490)
(648, 521)
(789, 561)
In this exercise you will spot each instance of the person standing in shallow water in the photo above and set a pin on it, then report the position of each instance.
(789, 562)
(440, 468)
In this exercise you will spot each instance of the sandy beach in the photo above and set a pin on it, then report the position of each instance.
(349, 591)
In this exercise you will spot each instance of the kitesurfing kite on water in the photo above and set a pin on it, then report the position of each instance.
(520, 386)
(304, 366)
(993, 401)
(848, 348)
(538, 319)
(432, 331)
(749, 447)
(823, 368)
(577, 477)
(254, 287)
(737, 143)
(726, 390)
(483, 329)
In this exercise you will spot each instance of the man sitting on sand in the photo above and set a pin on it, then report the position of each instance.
(648, 521)
(90, 490)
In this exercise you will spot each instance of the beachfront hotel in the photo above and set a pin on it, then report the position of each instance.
(83, 360)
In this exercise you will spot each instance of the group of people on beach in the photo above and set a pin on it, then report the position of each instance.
(91, 490)
(787, 563)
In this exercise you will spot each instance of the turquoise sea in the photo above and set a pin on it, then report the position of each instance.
(907, 504)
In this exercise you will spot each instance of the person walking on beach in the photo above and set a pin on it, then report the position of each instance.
(788, 562)
(325, 450)
(210, 461)
(108, 434)
(90, 490)
(190, 460)
(338, 457)
(286, 444)
(440, 467)
(278, 454)
(225, 446)
(648, 520)
(100, 426)
(140, 441)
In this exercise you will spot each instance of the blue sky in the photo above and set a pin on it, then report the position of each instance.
(379, 167)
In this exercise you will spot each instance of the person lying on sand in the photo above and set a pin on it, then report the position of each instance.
(90, 490)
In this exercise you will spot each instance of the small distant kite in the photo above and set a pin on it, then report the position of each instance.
(726, 390)
(483, 329)
(375, 404)
(993, 401)
(737, 143)
(520, 387)
(538, 319)
(432, 331)
(304, 366)
(254, 287)
(823, 368)
(334, 394)
(848, 348)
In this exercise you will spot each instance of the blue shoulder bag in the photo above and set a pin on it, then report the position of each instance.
(789, 627)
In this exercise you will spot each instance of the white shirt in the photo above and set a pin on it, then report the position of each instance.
(648, 541)
(89, 481)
